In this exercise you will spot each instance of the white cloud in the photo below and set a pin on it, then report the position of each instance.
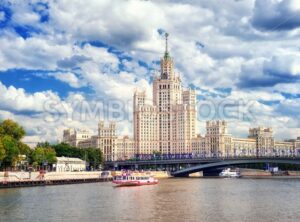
(287, 64)
(26, 18)
(69, 78)
(99, 55)
(276, 15)
(44, 114)
(117, 86)
(31, 53)
(234, 54)
(2, 16)
(292, 88)
(23, 14)
(18, 100)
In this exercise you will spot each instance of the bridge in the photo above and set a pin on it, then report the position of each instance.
(150, 162)
(209, 166)
(216, 167)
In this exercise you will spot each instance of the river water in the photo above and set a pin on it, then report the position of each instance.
(184, 199)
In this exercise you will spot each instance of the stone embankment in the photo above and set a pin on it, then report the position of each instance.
(26, 179)
(254, 173)
(264, 174)
(22, 176)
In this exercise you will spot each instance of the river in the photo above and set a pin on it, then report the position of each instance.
(184, 199)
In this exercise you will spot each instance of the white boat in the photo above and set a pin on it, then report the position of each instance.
(230, 173)
(127, 179)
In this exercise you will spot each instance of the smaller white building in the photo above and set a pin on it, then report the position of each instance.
(69, 164)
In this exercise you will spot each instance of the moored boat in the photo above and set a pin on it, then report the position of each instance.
(230, 173)
(127, 179)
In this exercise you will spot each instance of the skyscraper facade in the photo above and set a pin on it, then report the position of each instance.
(168, 125)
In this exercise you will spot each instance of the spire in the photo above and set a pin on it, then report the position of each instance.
(166, 63)
(166, 51)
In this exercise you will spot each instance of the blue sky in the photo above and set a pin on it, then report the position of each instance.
(58, 58)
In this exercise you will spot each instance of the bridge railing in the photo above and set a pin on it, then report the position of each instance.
(161, 157)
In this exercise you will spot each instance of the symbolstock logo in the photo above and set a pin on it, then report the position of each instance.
(118, 110)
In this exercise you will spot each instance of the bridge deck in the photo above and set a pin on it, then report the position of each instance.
(190, 161)
(201, 164)
(226, 163)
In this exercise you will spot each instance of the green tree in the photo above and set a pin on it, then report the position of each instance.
(94, 157)
(63, 149)
(13, 129)
(24, 149)
(11, 149)
(41, 155)
(2, 150)
(38, 155)
(1, 130)
(50, 155)
(43, 144)
(91, 155)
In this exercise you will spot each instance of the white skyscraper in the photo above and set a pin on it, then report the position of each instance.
(168, 125)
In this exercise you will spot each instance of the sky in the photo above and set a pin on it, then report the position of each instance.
(71, 63)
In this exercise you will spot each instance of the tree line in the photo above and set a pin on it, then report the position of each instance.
(16, 154)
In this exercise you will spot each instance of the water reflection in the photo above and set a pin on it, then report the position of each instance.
(170, 200)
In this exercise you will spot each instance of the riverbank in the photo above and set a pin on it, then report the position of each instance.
(267, 174)
(19, 176)
(256, 173)
(22, 176)
(25, 179)
(19, 179)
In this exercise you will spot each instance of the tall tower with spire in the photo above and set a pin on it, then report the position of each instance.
(173, 113)
(166, 63)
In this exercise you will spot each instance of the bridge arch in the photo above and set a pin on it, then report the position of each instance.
(222, 164)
